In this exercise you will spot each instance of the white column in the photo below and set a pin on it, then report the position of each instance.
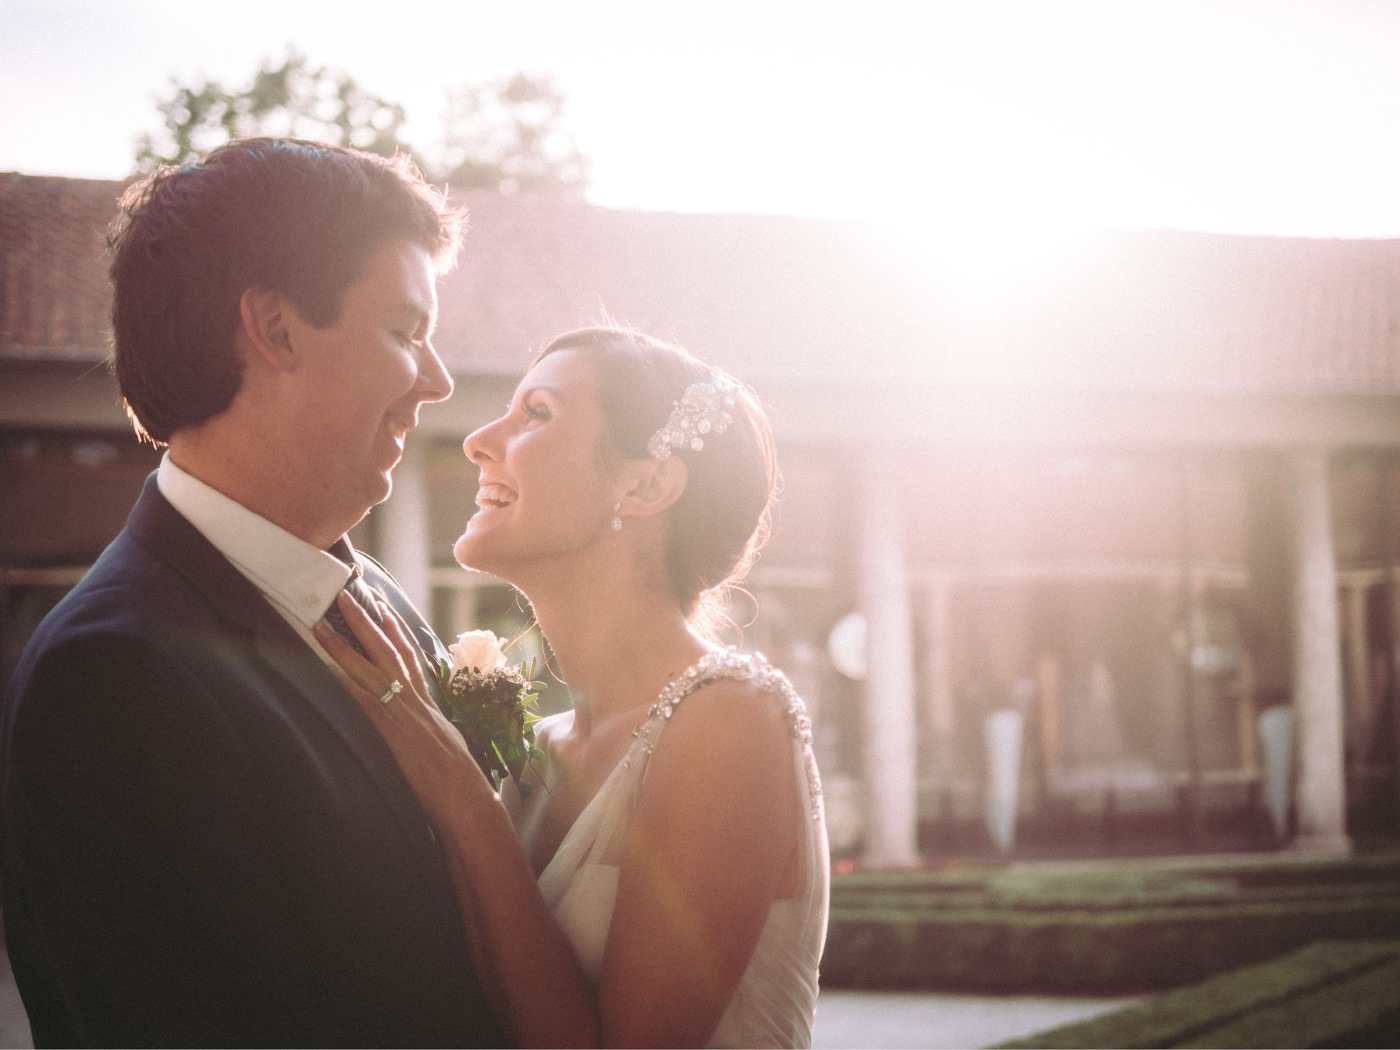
(403, 525)
(938, 677)
(891, 724)
(940, 773)
(1359, 708)
(1317, 665)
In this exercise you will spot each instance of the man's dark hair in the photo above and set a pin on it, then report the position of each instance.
(297, 217)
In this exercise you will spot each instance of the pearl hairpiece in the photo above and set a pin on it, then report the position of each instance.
(704, 409)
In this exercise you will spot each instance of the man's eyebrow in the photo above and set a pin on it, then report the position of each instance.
(421, 315)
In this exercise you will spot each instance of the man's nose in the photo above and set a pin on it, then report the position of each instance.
(434, 382)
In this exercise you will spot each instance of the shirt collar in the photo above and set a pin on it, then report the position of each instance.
(299, 577)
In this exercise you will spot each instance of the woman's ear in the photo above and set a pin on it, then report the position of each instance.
(264, 317)
(651, 486)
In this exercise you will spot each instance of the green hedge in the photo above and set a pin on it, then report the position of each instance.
(1101, 932)
(1327, 994)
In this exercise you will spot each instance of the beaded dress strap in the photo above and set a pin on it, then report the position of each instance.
(727, 663)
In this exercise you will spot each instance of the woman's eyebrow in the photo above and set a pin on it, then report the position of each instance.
(541, 388)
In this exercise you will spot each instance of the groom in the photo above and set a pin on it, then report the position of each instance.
(204, 840)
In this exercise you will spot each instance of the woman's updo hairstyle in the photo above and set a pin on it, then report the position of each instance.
(723, 517)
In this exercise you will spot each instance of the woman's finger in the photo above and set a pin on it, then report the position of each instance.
(365, 684)
(402, 640)
(353, 666)
(427, 708)
(372, 638)
(377, 675)
(415, 729)
(428, 748)
(370, 687)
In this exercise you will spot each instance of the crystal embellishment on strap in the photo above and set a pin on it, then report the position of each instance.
(704, 409)
(727, 663)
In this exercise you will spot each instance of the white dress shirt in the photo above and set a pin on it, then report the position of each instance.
(299, 579)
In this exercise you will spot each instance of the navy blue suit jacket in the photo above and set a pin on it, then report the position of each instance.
(205, 842)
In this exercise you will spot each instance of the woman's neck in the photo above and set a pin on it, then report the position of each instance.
(616, 648)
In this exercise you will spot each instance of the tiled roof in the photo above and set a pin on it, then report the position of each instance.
(748, 291)
(54, 298)
(768, 294)
(1163, 310)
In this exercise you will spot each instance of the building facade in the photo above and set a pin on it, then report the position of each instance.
(1102, 559)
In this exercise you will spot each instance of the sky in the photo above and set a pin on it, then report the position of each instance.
(947, 121)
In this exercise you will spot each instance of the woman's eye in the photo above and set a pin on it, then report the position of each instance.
(537, 413)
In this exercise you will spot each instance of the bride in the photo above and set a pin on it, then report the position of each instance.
(666, 881)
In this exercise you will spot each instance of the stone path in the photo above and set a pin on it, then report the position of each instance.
(845, 1020)
(932, 1021)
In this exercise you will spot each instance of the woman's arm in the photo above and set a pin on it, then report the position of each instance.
(525, 963)
(714, 842)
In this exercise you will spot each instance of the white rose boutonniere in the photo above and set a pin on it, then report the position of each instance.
(492, 706)
(479, 651)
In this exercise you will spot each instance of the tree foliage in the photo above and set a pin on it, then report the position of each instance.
(293, 99)
(505, 134)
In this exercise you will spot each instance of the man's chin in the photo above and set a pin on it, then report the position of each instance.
(377, 491)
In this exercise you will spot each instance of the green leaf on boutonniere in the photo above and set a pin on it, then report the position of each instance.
(495, 712)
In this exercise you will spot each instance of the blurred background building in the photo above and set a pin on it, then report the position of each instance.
(1100, 559)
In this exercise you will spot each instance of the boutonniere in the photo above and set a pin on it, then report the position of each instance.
(492, 705)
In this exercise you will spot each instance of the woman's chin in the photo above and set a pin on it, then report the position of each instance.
(465, 550)
(472, 551)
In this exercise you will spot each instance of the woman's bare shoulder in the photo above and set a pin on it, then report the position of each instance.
(730, 722)
(737, 695)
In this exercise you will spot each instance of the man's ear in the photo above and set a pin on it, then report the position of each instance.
(264, 321)
(653, 485)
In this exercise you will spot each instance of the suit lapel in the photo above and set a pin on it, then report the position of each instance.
(301, 675)
(311, 681)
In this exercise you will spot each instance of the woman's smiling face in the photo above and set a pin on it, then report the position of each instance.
(544, 491)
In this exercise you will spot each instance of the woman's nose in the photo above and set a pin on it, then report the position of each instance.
(476, 446)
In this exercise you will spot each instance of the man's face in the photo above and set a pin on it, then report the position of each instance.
(361, 381)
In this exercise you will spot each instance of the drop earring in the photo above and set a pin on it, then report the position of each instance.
(616, 523)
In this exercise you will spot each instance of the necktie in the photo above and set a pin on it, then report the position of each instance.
(360, 591)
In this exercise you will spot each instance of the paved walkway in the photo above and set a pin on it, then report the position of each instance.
(853, 1020)
(845, 1020)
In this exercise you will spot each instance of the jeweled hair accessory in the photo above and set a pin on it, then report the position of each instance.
(704, 409)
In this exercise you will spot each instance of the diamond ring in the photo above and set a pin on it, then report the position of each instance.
(395, 688)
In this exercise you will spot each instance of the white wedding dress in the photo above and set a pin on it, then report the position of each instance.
(776, 1000)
